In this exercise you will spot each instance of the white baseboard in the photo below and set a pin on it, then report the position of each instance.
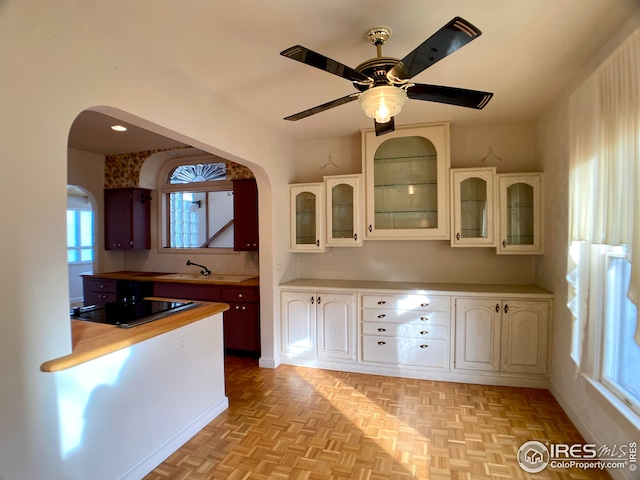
(159, 455)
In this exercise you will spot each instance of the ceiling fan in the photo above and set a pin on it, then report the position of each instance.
(383, 82)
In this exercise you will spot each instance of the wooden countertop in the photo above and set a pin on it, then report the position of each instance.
(160, 277)
(419, 287)
(92, 340)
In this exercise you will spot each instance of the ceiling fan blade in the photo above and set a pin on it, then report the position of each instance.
(304, 55)
(323, 107)
(454, 35)
(382, 128)
(450, 95)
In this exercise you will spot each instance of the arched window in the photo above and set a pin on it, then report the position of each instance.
(197, 205)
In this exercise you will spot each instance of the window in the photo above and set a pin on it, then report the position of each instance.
(621, 354)
(197, 207)
(79, 236)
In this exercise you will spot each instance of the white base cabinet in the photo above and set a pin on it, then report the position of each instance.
(492, 334)
(319, 325)
(495, 335)
(405, 330)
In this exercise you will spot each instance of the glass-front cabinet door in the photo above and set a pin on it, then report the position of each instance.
(343, 194)
(307, 217)
(473, 206)
(520, 214)
(406, 176)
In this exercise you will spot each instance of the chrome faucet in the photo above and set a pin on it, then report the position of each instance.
(206, 272)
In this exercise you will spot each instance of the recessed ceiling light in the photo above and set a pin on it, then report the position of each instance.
(119, 128)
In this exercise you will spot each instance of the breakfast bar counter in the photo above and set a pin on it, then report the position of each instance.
(92, 340)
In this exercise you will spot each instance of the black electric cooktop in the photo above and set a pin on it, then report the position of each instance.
(130, 314)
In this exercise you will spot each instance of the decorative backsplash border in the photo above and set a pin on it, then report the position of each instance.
(123, 170)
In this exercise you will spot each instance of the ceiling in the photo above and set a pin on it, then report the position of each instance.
(529, 52)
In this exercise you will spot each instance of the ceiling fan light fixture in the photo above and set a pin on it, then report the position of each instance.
(382, 103)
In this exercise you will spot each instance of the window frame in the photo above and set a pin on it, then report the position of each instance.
(79, 247)
(593, 357)
(164, 189)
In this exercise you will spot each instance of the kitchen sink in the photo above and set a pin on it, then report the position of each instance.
(211, 278)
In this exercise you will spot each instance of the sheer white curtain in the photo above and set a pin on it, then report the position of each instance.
(604, 176)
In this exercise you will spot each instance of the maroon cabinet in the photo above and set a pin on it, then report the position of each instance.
(97, 291)
(242, 320)
(245, 215)
(127, 215)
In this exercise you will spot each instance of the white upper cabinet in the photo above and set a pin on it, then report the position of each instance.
(307, 217)
(407, 183)
(472, 207)
(520, 213)
(343, 199)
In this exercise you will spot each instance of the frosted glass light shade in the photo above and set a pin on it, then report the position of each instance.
(382, 103)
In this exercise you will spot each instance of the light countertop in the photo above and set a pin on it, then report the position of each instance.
(419, 287)
(91, 340)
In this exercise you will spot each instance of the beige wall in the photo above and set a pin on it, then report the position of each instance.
(62, 61)
(594, 416)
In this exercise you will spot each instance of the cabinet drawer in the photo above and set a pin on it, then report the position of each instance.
(98, 298)
(411, 316)
(103, 285)
(238, 294)
(410, 330)
(404, 351)
(426, 303)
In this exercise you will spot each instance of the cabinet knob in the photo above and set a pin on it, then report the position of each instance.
(317, 243)
(381, 302)
(382, 329)
(424, 319)
(424, 304)
(239, 295)
(424, 346)
(424, 332)
(318, 299)
(382, 315)
(237, 307)
(382, 343)
(244, 308)
(312, 300)
(458, 236)
(506, 308)
(370, 228)
(497, 307)
(355, 237)
(504, 243)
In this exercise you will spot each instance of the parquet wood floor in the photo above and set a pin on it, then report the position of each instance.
(309, 424)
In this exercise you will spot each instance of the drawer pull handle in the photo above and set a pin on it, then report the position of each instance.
(382, 343)
(424, 346)
(424, 304)
(382, 315)
(312, 300)
(506, 309)
(497, 307)
(424, 319)
(381, 302)
(382, 329)
(424, 332)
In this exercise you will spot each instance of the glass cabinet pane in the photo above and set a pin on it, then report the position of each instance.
(405, 179)
(520, 215)
(342, 211)
(305, 218)
(474, 221)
